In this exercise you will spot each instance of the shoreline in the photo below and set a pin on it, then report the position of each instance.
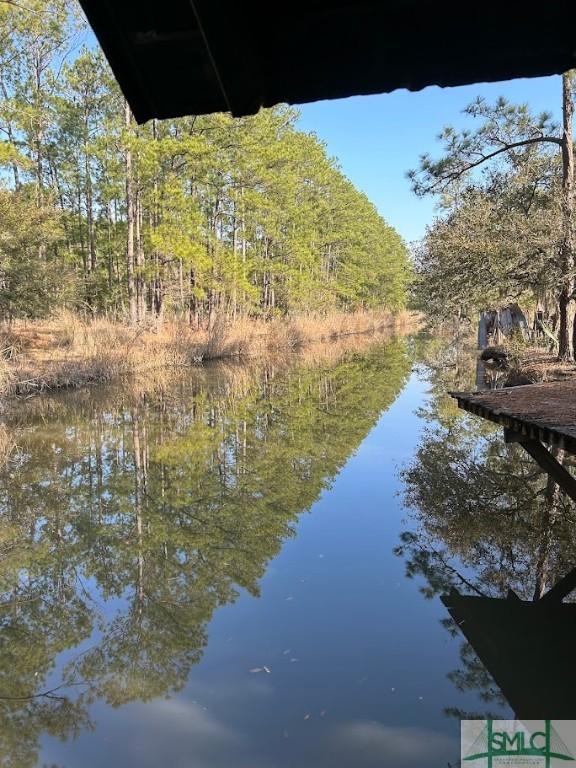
(532, 365)
(68, 353)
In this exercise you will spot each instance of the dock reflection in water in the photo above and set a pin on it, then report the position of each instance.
(494, 537)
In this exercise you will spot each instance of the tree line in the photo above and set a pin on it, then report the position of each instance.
(507, 228)
(198, 216)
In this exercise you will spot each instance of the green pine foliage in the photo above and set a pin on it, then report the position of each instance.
(196, 216)
(501, 231)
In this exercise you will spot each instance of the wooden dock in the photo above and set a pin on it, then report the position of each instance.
(542, 412)
(527, 646)
(536, 416)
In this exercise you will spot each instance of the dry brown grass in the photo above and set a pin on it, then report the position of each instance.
(68, 351)
(7, 445)
(252, 338)
(540, 365)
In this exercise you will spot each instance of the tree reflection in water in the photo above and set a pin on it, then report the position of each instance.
(129, 514)
(484, 517)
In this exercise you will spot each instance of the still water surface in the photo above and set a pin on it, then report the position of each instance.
(241, 566)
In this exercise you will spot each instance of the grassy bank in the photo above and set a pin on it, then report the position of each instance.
(538, 365)
(70, 352)
(517, 362)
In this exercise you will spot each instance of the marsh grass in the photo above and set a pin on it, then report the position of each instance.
(7, 444)
(68, 351)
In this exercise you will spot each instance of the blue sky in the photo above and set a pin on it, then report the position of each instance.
(378, 138)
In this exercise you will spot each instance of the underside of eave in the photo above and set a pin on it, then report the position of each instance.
(183, 57)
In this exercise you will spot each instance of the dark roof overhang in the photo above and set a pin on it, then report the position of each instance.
(179, 57)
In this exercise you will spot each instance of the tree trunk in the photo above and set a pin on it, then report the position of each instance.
(132, 314)
(89, 209)
(212, 299)
(194, 314)
(91, 260)
(243, 247)
(140, 281)
(235, 265)
(110, 250)
(568, 246)
(181, 286)
(158, 282)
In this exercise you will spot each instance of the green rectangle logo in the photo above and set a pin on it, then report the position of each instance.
(515, 743)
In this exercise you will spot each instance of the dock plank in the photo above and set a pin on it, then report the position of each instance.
(545, 412)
